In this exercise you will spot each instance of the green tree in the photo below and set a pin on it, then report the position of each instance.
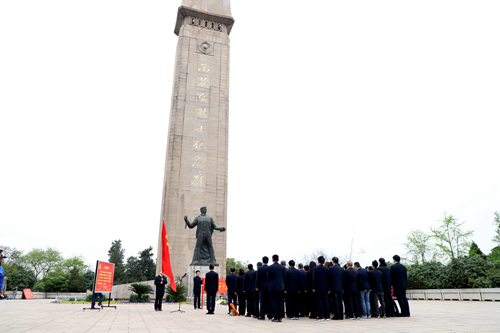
(75, 281)
(133, 270)
(495, 254)
(476, 251)
(147, 264)
(116, 256)
(472, 272)
(19, 276)
(429, 275)
(88, 280)
(54, 283)
(419, 247)
(450, 238)
(496, 222)
(231, 262)
(41, 261)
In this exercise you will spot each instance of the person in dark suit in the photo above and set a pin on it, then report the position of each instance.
(262, 286)
(321, 286)
(311, 297)
(239, 290)
(231, 282)
(211, 288)
(377, 280)
(363, 291)
(399, 278)
(197, 290)
(337, 280)
(351, 292)
(256, 294)
(386, 286)
(276, 277)
(292, 290)
(248, 290)
(285, 306)
(160, 282)
(304, 310)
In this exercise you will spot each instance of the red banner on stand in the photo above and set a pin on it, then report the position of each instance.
(104, 277)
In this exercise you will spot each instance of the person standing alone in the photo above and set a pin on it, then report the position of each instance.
(197, 290)
(160, 282)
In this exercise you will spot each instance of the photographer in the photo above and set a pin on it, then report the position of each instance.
(2, 274)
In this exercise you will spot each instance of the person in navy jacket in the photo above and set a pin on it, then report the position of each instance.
(211, 288)
(351, 292)
(292, 290)
(376, 280)
(197, 290)
(256, 293)
(239, 290)
(311, 297)
(363, 291)
(262, 286)
(337, 280)
(399, 277)
(386, 286)
(160, 282)
(303, 295)
(248, 289)
(231, 281)
(321, 286)
(276, 277)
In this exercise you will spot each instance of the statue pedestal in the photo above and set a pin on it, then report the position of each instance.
(192, 273)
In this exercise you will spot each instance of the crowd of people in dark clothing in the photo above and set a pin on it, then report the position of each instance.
(321, 291)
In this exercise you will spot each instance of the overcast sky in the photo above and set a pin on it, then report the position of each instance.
(364, 118)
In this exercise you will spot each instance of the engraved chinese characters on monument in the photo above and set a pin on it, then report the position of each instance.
(204, 250)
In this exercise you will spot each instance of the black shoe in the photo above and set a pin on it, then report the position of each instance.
(261, 318)
(256, 317)
(279, 320)
(275, 321)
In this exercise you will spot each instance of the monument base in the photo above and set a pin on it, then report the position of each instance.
(192, 273)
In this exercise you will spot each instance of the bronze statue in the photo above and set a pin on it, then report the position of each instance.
(204, 250)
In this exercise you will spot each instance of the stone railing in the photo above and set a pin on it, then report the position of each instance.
(479, 294)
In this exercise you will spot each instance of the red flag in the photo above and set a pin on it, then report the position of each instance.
(166, 268)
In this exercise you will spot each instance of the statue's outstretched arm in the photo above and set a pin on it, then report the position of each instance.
(214, 226)
(189, 224)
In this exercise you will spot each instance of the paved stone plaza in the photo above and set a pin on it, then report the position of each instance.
(40, 316)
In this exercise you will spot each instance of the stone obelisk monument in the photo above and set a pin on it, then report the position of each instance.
(197, 148)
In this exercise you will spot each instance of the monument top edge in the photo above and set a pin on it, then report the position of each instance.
(214, 7)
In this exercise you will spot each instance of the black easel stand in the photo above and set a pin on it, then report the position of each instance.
(179, 309)
(109, 302)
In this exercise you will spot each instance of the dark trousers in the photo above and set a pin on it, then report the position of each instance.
(158, 299)
(351, 304)
(211, 301)
(256, 303)
(322, 304)
(249, 299)
(197, 298)
(276, 304)
(292, 304)
(241, 303)
(312, 304)
(337, 306)
(403, 302)
(304, 308)
(94, 299)
(376, 298)
(388, 304)
(264, 304)
(231, 298)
